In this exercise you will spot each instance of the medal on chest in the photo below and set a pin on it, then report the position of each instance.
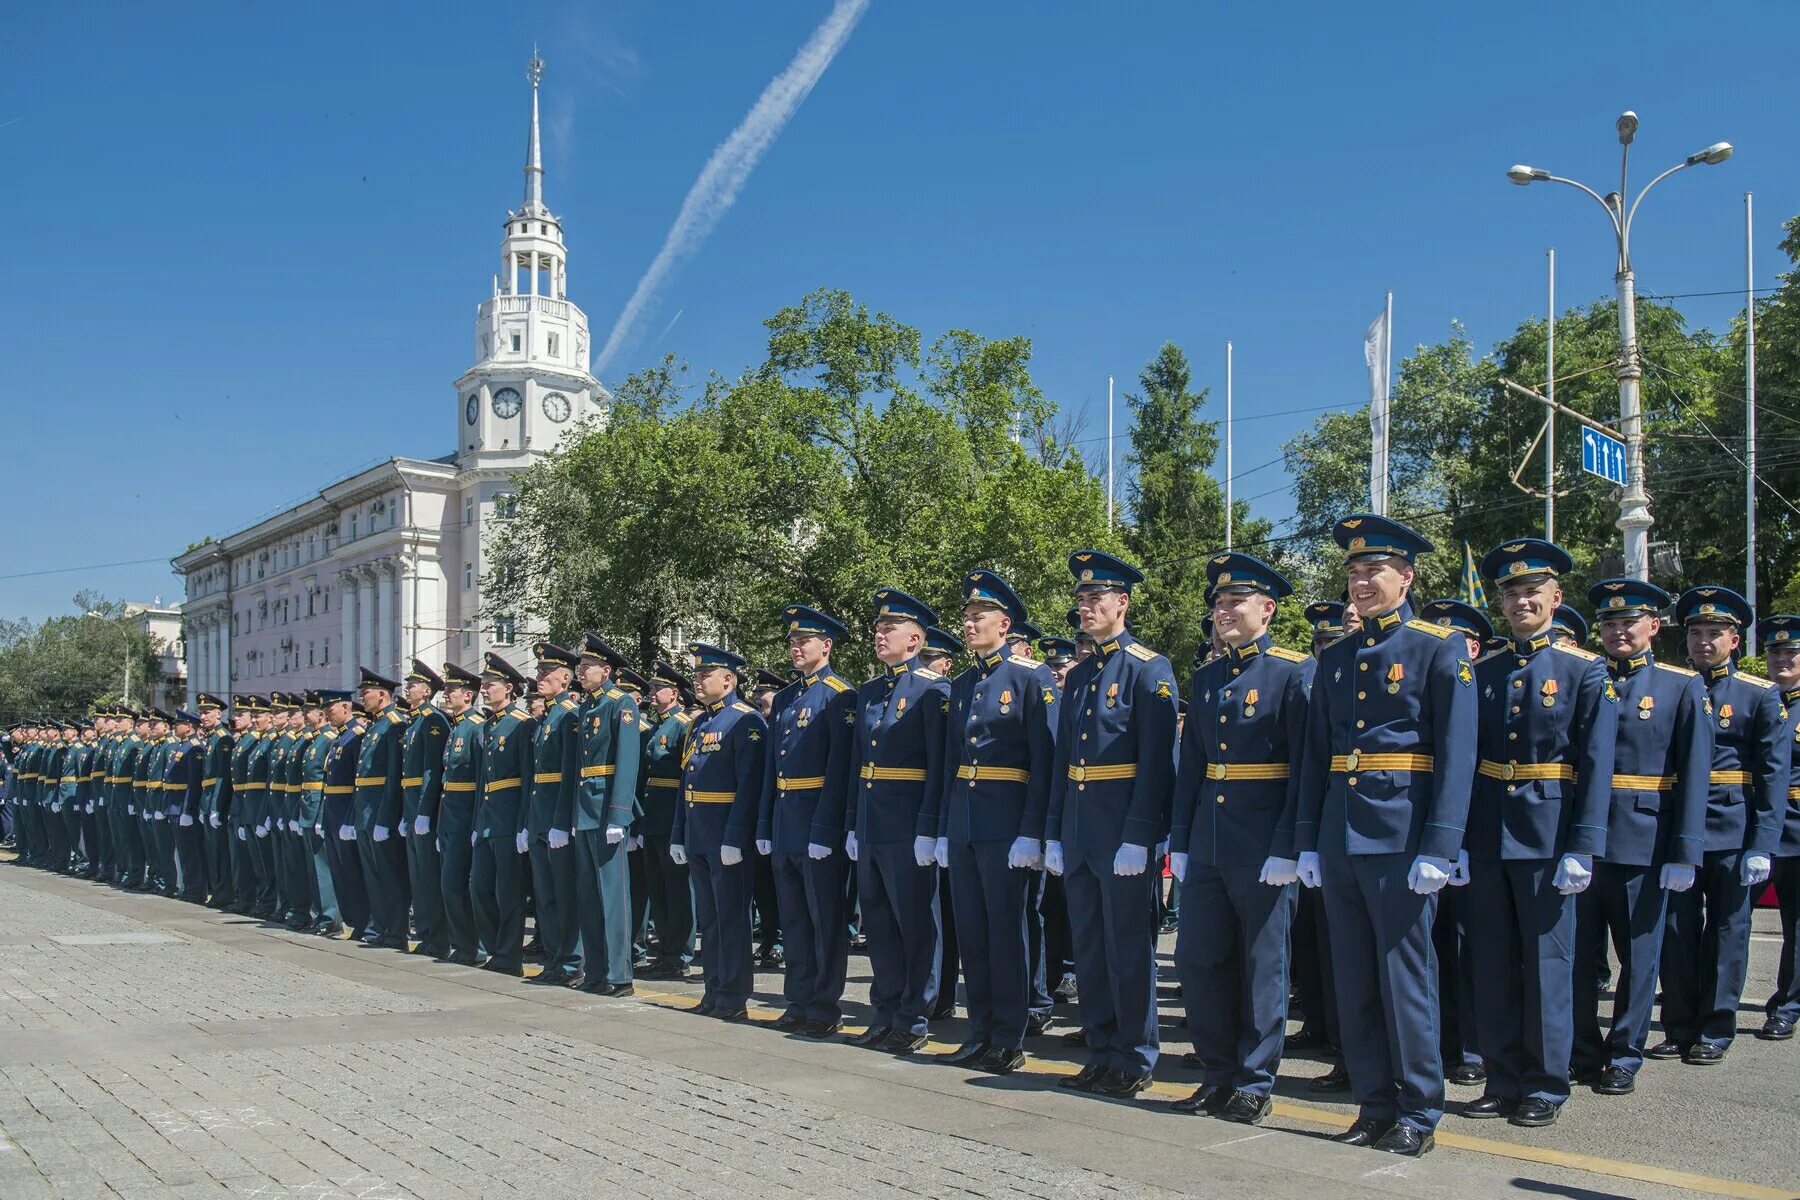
(1395, 673)
(1250, 703)
(1724, 716)
(1646, 706)
(1112, 695)
(1005, 700)
(1548, 692)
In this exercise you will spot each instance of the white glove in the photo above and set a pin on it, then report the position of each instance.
(186, 820)
(242, 836)
(56, 808)
(131, 810)
(615, 834)
(731, 856)
(941, 852)
(765, 847)
(924, 851)
(1027, 854)
(1677, 877)
(1178, 864)
(1459, 874)
(1573, 874)
(1755, 869)
(678, 854)
(262, 831)
(294, 826)
(1053, 858)
(402, 827)
(1428, 874)
(1310, 869)
(1279, 872)
(1131, 860)
(318, 831)
(850, 845)
(422, 824)
(473, 839)
(558, 838)
(520, 842)
(1162, 848)
(815, 851)
(635, 842)
(158, 815)
(213, 820)
(346, 833)
(381, 833)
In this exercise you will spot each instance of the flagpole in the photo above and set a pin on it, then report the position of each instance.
(1387, 388)
(1749, 406)
(1228, 445)
(1550, 413)
(1109, 451)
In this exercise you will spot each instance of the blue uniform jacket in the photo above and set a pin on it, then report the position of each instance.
(659, 783)
(1237, 783)
(1751, 760)
(555, 768)
(1001, 750)
(1789, 846)
(506, 755)
(1114, 779)
(1391, 742)
(1543, 785)
(610, 745)
(721, 779)
(1662, 759)
(896, 770)
(807, 775)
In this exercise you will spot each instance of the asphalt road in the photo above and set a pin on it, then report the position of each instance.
(152, 1049)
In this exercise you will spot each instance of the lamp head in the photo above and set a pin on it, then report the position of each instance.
(1627, 126)
(1712, 156)
(1521, 174)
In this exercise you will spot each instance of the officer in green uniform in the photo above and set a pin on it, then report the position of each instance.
(455, 831)
(496, 874)
(279, 816)
(377, 806)
(152, 811)
(605, 808)
(422, 781)
(215, 797)
(670, 888)
(314, 757)
(550, 814)
(243, 804)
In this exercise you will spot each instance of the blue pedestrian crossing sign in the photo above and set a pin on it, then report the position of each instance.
(1603, 456)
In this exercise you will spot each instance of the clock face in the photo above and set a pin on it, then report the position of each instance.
(556, 406)
(472, 408)
(506, 403)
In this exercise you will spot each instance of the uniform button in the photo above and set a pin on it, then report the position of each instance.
(1081, 787)
(1515, 708)
(1359, 724)
(1082, 763)
(871, 741)
(1237, 670)
(972, 740)
(1222, 718)
(1090, 712)
(1362, 695)
(1512, 737)
(1518, 683)
(1362, 666)
(1084, 737)
(870, 786)
(971, 783)
(1368, 641)
(1351, 781)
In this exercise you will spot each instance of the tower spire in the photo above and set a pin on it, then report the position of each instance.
(534, 154)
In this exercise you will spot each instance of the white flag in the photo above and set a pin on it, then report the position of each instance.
(1376, 354)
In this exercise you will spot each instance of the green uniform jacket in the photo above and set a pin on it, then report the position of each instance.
(611, 746)
(422, 765)
(378, 799)
(556, 760)
(506, 765)
(462, 779)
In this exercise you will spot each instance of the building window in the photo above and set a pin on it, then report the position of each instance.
(468, 638)
(311, 599)
(326, 607)
(468, 575)
(469, 511)
(325, 653)
(353, 525)
(309, 654)
(506, 506)
(553, 345)
(515, 343)
(506, 630)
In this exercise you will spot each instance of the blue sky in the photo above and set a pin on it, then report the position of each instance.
(245, 243)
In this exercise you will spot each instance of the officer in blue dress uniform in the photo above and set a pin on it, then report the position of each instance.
(550, 814)
(1231, 843)
(896, 789)
(939, 654)
(999, 754)
(337, 812)
(1655, 832)
(253, 824)
(377, 805)
(1311, 943)
(1568, 625)
(800, 823)
(1537, 821)
(1706, 938)
(1022, 639)
(1390, 760)
(715, 820)
(422, 785)
(1781, 649)
(456, 811)
(609, 744)
(1110, 795)
(498, 863)
(1051, 945)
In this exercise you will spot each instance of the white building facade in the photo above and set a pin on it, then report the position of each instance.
(386, 565)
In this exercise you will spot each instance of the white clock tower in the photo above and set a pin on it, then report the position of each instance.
(530, 383)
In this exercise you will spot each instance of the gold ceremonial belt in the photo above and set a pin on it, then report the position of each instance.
(413, 781)
(311, 786)
(500, 785)
(1002, 774)
(1231, 771)
(1518, 770)
(338, 789)
(459, 785)
(1643, 783)
(1356, 760)
(1741, 778)
(370, 780)
(1099, 773)
(203, 782)
(663, 783)
(695, 797)
(907, 774)
(250, 785)
(799, 783)
(596, 772)
(547, 777)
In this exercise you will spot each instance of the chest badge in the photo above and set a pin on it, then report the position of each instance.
(1724, 716)
(503, 741)
(1548, 691)
(1112, 695)
(1646, 706)
(900, 707)
(1005, 700)
(1250, 703)
(1338, 675)
(1395, 673)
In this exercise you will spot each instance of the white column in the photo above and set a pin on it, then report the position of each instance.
(409, 617)
(366, 616)
(346, 625)
(390, 568)
(381, 613)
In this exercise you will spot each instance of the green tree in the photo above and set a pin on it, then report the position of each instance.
(65, 665)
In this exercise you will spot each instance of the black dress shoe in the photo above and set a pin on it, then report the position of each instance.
(1208, 1100)
(1335, 1080)
(1533, 1112)
(430, 951)
(944, 1011)
(1776, 1029)
(788, 1022)
(1468, 1074)
(1120, 1085)
(1665, 1049)
(1615, 1081)
(1075, 1038)
(1364, 1131)
(705, 1008)
(619, 989)
(1000, 1061)
(900, 1041)
(1704, 1054)
(515, 972)
(1038, 1024)
(772, 957)
(968, 1054)
(1084, 1079)
(871, 1037)
(1306, 1039)
(1191, 1060)
(1247, 1108)
(464, 960)
(1404, 1140)
(1489, 1107)
(820, 1028)
(735, 1016)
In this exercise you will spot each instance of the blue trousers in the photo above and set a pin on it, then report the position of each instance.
(497, 894)
(993, 905)
(602, 906)
(455, 856)
(1785, 1002)
(1385, 969)
(899, 910)
(1623, 905)
(1232, 959)
(553, 895)
(1706, 953)
(1458, 1026)
(1310, 959)
(810, 895)
(1522, 933)
(424, 874)
(347, 881)
(162, 851)
(722, 906)
(1112, 923)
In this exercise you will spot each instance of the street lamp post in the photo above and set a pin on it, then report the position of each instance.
(1634, 504)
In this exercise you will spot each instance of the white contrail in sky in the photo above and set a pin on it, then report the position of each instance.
(726, 171)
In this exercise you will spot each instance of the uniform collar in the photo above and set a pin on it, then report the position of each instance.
(1380, 627)
(1531, 645)
(1722, 671)
(898, 669)
(1249, 649)
(1632, 665)
(988, 662)
(1791, 697)
(1111, 646)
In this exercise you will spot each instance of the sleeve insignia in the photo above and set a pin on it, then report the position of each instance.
(1049, 695)
(1612, 693)
(625, 718)
(946, 704)
(1162, 690)
(755, 735)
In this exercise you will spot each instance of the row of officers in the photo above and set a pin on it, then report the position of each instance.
(1463, 825)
